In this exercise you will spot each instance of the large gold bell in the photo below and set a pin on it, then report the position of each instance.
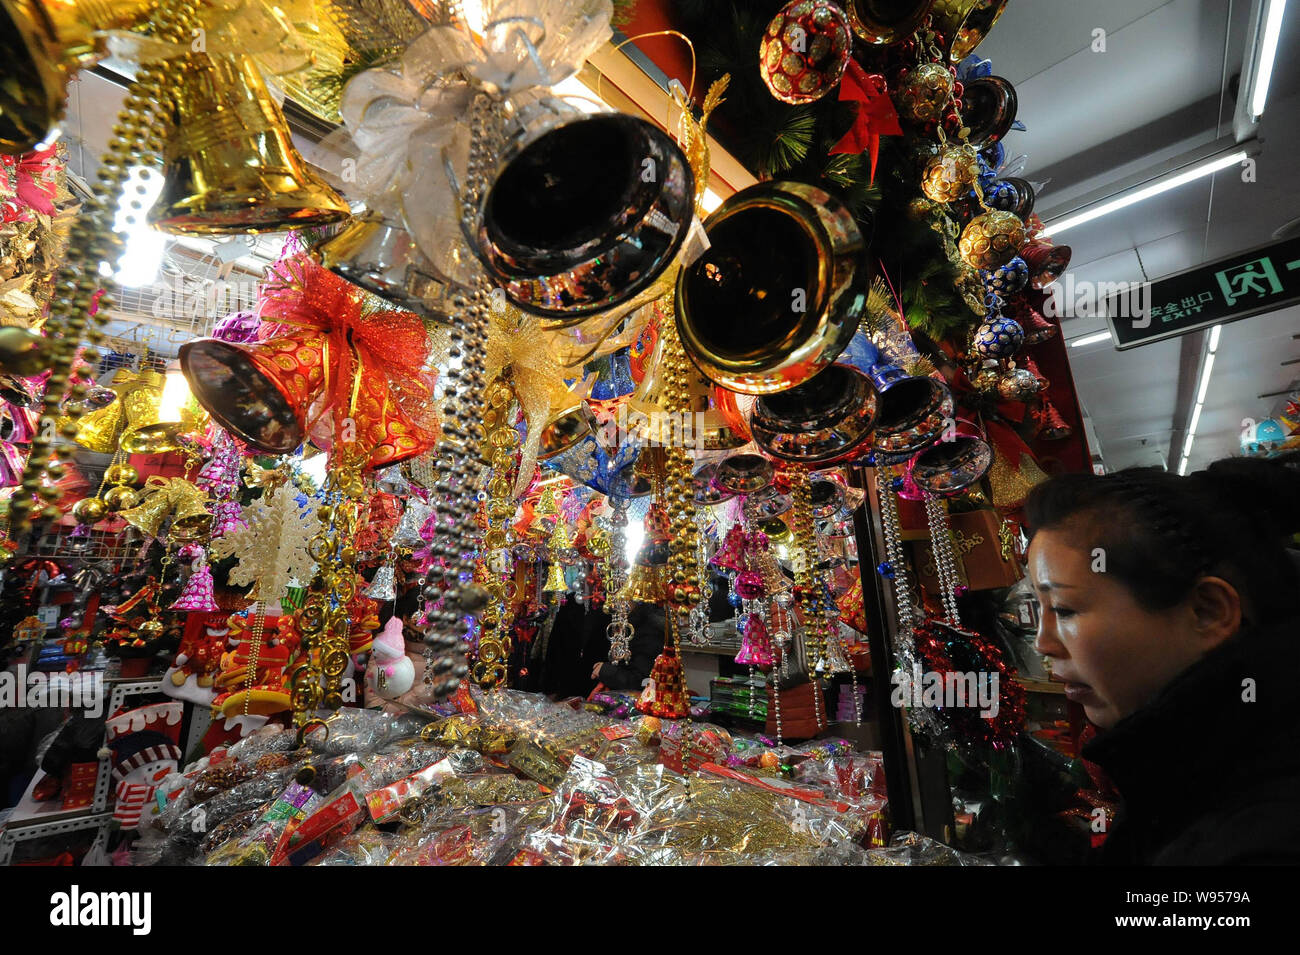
(45, 42)
(146, 432)
(231, 166)
(192, 520)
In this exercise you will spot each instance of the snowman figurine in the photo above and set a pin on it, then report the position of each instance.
(390, 672)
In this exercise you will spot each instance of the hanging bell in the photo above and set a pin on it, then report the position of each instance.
(964, 24)
(414, 517)
(613, 377)
(145, 431)
(645, 584)
(147, 517)
(910, 409)
(780, 291)
(382, 258)
(824, 419)
(231, 166)
(384, 586)
(766, 504)
(196, 596)
(191, 519)
(583, 211)
(702, 427)
(706, 492)
(827, 497)
(989, 105)
(955, 462)
(743, 474)
(881, 24)
(756, 648)
(250, 390)
(1046, 262)
(99, 430)
(45, 43)
(555, 582)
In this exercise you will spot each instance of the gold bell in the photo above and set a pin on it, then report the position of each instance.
(146, 432)
(555, 582)
(148, 516)
(191, 520)
(230, 164)
(99, 430)
(645, 584)
(46, 42)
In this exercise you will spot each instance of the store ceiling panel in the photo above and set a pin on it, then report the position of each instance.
(1161, 88)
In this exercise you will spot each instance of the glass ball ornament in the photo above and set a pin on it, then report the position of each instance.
(805, 51)
(951, 174)
(991, 240)
(89, 510)
(987, 380)
(120, 498)
(1019, 384)
(924, 94)
(121, 474)
(1006, 280)
(1000, 337)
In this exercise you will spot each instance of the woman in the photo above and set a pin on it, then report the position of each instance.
(1169, 606)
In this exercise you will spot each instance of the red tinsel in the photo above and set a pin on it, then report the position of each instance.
(937, 643)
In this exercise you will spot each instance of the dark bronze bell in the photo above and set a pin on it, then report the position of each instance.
(989, 109)
(780, 291)
(583, 212)
(825, 419)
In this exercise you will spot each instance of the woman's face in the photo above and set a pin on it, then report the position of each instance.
(1113, 654)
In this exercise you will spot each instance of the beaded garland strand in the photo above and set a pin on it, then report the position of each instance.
(137, 138)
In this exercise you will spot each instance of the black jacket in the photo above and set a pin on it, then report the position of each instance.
(1207, 777)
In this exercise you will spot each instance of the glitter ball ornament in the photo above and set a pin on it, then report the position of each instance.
(805, 51)
(951, 174)
(749, 585)
(1001, 337)
(1018, 384)
(991, 240)
(924, 94)
(1007, 280)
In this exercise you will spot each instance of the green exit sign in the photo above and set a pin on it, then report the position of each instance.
(1261, 280)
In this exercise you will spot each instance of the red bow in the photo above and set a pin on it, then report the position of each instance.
(375, 390)
(876, 115)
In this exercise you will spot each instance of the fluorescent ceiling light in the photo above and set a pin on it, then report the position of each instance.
(1205, 378)
(1196, 420)
(1090, 339)
(1198, 171)
(1214, 338)
(142, 257)
(1182, 467)
(1267, 57)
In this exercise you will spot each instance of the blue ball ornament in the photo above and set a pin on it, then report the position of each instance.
(999, 337)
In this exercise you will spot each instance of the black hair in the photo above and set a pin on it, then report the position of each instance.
(1161, 532)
